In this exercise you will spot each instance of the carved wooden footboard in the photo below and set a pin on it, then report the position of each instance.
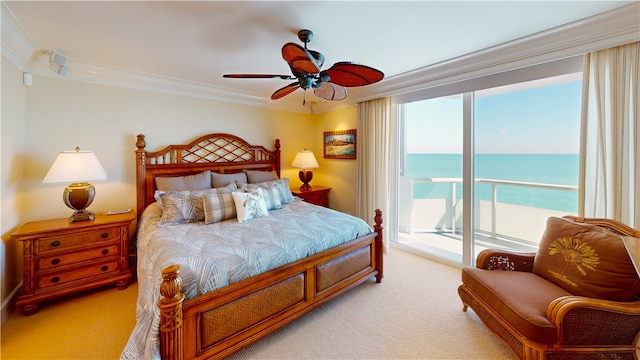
(219, 323)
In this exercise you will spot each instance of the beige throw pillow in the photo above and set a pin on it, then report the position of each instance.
(190, 182)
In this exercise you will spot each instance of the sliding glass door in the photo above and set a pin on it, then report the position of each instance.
(526, 139)
(430, 192)
(487, 168)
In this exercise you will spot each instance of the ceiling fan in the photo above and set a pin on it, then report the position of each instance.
(305, 65)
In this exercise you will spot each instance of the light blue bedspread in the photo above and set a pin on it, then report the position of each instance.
(213, 256)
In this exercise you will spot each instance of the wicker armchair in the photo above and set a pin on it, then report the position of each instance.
(541, 314)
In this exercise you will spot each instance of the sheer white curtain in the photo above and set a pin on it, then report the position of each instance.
(610, 168)
(374, 149)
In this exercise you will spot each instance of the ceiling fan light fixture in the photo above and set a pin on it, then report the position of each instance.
(329, 91)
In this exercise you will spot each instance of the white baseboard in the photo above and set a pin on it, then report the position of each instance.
(8, 305)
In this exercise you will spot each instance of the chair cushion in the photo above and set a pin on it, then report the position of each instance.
(520, 298)
(586, 260)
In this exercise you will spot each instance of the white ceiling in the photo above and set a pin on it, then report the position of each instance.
(192, 44)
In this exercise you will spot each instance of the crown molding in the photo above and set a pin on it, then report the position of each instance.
(616, 27)
(17, 45)
(612, 28)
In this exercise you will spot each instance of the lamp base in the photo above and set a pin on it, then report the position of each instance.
(78, 196)
(305, 177)
(82, 215)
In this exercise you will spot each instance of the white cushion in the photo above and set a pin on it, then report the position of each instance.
(249, 205)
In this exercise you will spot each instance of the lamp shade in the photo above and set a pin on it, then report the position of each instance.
(305, 160)
(75, 166)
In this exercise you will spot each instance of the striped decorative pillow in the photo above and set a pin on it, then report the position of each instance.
(282, 185)
(271, 197)
(218, 207)
(179, 207)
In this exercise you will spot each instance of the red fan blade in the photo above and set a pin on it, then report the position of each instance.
(300, 59)
(258, 76)
(285, 90)
(348, 74)
(331, 91)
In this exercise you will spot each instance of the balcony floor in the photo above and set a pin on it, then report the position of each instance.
(449, 245)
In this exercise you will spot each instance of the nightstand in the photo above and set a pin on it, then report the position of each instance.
(62, 258)
(318, 195)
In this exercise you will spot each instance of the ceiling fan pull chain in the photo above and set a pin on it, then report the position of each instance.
(304, 98)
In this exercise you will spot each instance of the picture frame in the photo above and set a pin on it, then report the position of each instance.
(340, 144)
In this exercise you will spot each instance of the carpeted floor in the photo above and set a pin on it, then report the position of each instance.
(415, 313)
(90, 325)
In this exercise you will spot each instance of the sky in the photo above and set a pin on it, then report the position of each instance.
(538, 120)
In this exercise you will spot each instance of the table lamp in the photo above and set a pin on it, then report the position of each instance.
(78, 168)
(305, 160)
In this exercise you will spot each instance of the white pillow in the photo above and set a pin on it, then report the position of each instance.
(249, 205)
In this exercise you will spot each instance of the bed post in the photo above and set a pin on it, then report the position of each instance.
(378, 227)
(171, 330)
(277, 155)
(141, 173)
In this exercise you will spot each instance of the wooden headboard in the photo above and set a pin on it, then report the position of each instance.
(221, 153)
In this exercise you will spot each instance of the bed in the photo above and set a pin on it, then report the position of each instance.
(187, 307)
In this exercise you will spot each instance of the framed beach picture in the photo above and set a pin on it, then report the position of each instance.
(340, 144)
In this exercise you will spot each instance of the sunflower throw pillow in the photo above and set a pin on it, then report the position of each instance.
(586, 260)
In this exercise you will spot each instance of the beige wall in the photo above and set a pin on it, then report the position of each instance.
(12, 141)
(59, 114)
(340, 175)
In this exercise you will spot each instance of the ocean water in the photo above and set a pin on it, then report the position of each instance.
(559, 169)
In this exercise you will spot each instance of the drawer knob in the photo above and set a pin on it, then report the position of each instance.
(56, 243)
(105, 235)
(55, 279)
(55, 261)
(104, 252)
(104, 268)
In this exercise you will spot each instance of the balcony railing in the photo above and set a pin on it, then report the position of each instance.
(495, 219)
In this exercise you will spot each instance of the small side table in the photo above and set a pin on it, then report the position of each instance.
(318, 195)
(61, 258)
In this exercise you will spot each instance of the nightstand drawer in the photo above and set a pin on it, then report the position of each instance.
(71, 258)
(318, 195)
(75, 274)
(321, 199)
(78, 239)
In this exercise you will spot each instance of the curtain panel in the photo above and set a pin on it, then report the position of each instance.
(609, 168)
(373, 169)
